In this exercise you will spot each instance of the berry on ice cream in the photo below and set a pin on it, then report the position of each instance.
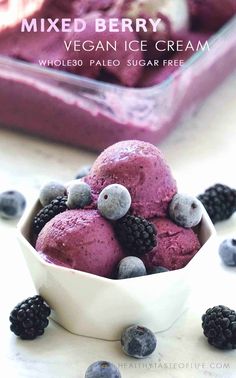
(115, 221)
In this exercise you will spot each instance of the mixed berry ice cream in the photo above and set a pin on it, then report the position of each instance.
(118, 211)
(81, 240)
(142, 169)
(176, 245)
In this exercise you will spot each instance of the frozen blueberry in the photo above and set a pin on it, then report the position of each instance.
(138, 342)
(12, 204)
(79, 195)
(185, 210)
(114, 202)
(83, 171)
(157, 269)
(227, 252)
(131, 266)
(50, 191)
(102, 369)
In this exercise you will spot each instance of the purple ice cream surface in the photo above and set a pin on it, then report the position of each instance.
(210, 15)
(42, 46)
(142, 169)
(30, 47)
(128, 76)
(84, 240)
(80, 240)
(176, 246)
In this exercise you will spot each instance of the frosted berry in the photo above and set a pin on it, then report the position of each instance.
(138, 342)
(114, 202)
(83, 171)
(185, 210)
(227, 252)
(12, 204)
(131, 266)
(157, 270)
(102, 369)
(50, 191)
(79, 195)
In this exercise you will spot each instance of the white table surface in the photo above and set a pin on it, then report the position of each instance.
(202, 151)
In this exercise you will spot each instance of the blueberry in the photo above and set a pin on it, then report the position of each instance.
(12, 204)
(131, 266)
(227, 252)
(79, 195)
(185, 210)
(157, 269)
(102, 369)
(50, 191)
(114, 202)
(82, 172)
(138, 342)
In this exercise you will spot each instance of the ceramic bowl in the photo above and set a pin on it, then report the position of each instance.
(89, 305)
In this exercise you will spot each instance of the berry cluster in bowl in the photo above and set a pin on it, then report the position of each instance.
(122, 218)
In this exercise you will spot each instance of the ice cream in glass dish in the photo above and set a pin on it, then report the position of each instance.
(106, 71)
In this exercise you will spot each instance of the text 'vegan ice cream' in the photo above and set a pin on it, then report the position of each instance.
(126, 75)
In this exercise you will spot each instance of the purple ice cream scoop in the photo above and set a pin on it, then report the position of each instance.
(142, 169)
(81, 240)
(176, 246)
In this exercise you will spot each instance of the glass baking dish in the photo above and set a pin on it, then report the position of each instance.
(84, 112)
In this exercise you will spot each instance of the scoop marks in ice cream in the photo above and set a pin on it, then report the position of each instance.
(176, 246)
(142, 169)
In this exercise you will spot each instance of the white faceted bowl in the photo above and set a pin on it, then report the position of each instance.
(89, 305)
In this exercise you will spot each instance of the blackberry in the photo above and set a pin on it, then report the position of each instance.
(219, 326)
(136, 235)
(219, 201)
(29, 318)
(56, 206)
